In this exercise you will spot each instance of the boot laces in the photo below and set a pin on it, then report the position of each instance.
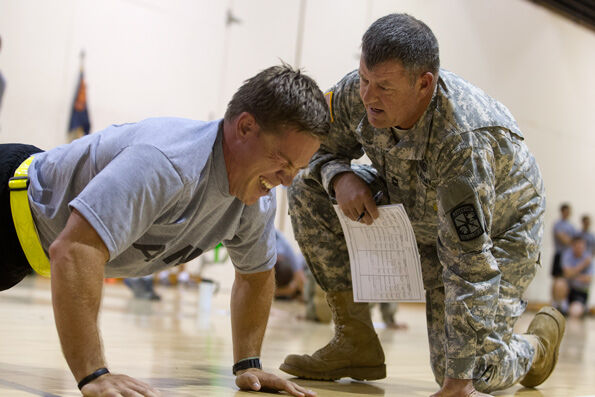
(339, 331)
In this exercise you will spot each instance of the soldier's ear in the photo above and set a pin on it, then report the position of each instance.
(426, 82)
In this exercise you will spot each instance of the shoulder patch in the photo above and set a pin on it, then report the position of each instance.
(466, 222)
(329, 100)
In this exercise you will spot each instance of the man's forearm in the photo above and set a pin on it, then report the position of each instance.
(573, 272)
(251, 299)
(76, 297)
(585, 263)
(78, 258)
(566, 239)
(584, 278)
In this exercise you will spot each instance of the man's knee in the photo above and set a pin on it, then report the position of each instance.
(560, 289)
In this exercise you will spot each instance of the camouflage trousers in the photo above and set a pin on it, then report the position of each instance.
(503, 358)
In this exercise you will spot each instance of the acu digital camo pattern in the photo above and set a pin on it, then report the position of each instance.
(475, 198)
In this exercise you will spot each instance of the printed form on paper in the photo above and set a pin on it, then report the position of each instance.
(385, 263)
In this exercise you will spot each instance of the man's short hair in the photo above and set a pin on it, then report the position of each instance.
(564, 207)
(282, 97)
(403, 38)
(578, 237)
(283, 273)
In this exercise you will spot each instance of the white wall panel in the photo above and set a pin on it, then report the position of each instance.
(179, 58)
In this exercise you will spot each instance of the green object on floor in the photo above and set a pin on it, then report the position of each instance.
(216, 249)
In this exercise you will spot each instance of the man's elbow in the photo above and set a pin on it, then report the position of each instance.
(59, 251)
(255, 277)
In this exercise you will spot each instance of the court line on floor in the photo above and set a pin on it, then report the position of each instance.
(20, 387)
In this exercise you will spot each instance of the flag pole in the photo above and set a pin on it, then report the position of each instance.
(82, 59)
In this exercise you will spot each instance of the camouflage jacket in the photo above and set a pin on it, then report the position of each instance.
(461, 172)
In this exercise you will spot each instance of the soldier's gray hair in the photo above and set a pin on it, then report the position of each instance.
(281, 96)
(401, 37)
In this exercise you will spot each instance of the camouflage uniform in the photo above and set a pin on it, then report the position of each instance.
(475, 198)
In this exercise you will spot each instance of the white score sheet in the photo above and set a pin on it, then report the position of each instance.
(385, 264)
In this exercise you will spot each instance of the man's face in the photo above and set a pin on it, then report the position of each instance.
(578, 248)
(265, 160)
(586, 223)
(390, 96)
(565, 212)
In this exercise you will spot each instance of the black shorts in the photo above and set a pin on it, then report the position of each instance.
(557, 265)
(575, 295)
(13, 263)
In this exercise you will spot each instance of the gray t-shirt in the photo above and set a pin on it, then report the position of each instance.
(589, 240)
(157, 194)
(565, 227)
(570, 261)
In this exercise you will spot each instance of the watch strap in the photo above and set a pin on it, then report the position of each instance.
(246, 363)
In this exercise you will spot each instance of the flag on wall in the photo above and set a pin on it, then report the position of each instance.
(79, 116)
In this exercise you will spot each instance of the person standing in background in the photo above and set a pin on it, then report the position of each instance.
(563, 233)
(586, 234)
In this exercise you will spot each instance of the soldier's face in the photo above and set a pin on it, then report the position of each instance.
(264, 160)
(391, 97)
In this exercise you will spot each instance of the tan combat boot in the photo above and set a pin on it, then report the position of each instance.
(354, 351)
(545, 334)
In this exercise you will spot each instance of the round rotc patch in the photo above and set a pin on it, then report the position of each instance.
(466, 222)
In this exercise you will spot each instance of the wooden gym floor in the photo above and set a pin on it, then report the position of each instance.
(186, 350)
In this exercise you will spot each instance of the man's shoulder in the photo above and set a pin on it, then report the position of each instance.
(349, 82)
(466, 107)
(186, 143)
(172, 123)
(344, 99)
(563, 226)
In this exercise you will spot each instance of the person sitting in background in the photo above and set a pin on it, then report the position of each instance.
(289, 270)
(577, 267)
(388, 310)
(317, 310)
(563, 232)
(292, 281)
(142, 287)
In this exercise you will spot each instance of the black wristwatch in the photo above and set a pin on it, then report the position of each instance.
(251, 362)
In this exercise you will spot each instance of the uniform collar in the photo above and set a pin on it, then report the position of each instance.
(413, 142)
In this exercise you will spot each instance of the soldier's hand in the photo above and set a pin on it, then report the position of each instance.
(118, 385)
(258, 380)
(458, 388)
(354, 197)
